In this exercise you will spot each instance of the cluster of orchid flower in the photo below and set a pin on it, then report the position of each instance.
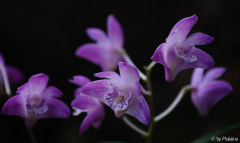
(121, 92)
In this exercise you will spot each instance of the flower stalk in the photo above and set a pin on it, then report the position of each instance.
(134, 127)
(31, 134)
(179, 97)
(151, 102)
(5, 79)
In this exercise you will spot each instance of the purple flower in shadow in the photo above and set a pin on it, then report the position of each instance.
(208, 91)
(121, 93)
(14, 74)
(35, 101)
(179, 52)
(85, 103)
(103, 52)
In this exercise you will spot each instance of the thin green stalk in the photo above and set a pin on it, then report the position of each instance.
(179, 97)
(31, 134)
(149, 136)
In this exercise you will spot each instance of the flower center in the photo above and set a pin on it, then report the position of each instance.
(36, 105)
(184, 53)
(116, 99)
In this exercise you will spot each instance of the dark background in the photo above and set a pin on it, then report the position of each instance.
(41, 36)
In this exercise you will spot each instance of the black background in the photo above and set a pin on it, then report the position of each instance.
(41, 36)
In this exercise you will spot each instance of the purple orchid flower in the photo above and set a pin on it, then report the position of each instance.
(121, 93)
(14, 74)
(85, 103)
(35, 101)
(103, 52)
(179, 52)
(208, 91)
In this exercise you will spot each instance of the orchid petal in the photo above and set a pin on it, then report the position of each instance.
(80, 80)
(85, 103)
(97, 34)
(52, 91)
(97, 89)
(213, 74)
(197, 39)
(14, 75)
(56, 109)
(93, 53)
(93, 118)
(128, 73)
(140, 110)
(108, 74)
(23, 90)
(197, 77)
(115, 32)
(1, 59)
(209, 94)
(158, 55)
(181, 29)
(37, 83)
(16, 105)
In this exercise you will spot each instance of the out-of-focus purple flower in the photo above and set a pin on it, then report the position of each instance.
(85, 103)
(103, 52)
(121, 93)
(179, 52)
(35, 101)
(14, 75)
(208, 91)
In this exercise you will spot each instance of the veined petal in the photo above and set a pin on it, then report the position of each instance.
(181, 29)
(115, 32)
(139, 109)
(98, 55)
(209, 94)
(197, 39)
(203, 61)
(93, 118)
(93, 53)
(85, 103)
(158, 55)
(37, 83)
(197, 77)
(16, 105)
(108, 74)
(97, 89)
(128, 73)
(213, 74)
(97, 34)
(14, 75)
(80, 80)
(56, 109)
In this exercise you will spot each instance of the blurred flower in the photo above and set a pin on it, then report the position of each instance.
(13, 74)
(179, 52)
(208, 91)
(121, 93)
(85, 103)
(35, 101)
(103, 52)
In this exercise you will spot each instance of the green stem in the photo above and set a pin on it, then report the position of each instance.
(151, 103)
(31, 134)
(179, 97)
